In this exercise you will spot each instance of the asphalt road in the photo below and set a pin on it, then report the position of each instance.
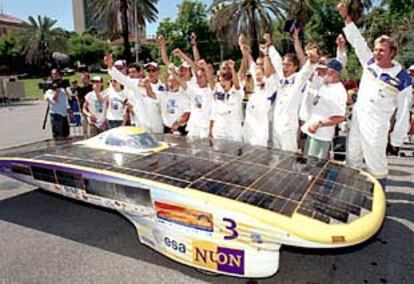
(45, 238)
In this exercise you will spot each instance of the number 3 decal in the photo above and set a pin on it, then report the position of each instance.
(232, 225)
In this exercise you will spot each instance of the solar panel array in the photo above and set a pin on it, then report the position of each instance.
(275, 180)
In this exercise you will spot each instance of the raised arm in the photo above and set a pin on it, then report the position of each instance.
(202, 64)
(181, 82)
(298, 47)
(179, 53)
(119, 76)
(354, 36)
(196, 53)
(341, 54)
(163, 49)
(235, 76)
(269, 70)
(274, 55)
(245, 63)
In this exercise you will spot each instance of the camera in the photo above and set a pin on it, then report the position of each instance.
(52, 85)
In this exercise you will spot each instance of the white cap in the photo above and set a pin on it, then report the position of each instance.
(97, 79)
(185, 64)
(120, 63)
(411, 67)
(151, 64)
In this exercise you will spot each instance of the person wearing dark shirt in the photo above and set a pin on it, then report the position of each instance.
(82, 92)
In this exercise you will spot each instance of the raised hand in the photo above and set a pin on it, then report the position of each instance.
(202, 64)
(245, 49)
(108, 60)
(193, 38)
(296, 33)
(161, 40)
(343, 10)
(171, 68)
(313, 55)
(242, 40)
(263, 49)
(341, 41)
(177, 52)
(268, 39)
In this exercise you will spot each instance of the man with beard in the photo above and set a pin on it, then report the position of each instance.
(327, 110)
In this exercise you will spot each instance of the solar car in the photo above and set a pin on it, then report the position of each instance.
(219, 206)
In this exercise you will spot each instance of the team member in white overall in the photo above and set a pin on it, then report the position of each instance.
(256, 123)
(289, 95)
(175, 104)
(327, 110)
(201, 98)
(143, 107)
(227, 114)
(385, 86)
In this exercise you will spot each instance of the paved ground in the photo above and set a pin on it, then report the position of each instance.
(45, 238)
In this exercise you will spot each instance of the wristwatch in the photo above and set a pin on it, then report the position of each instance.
(320, 123)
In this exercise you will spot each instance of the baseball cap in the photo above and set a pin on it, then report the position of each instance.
(411, 68)
(185, 64)
(151, 64)
(334, 64)
(120, 64)
(97, 79)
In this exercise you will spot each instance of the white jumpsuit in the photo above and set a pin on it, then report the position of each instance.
(146, 109)
(201, 103)
(381, 91)
(227, 114)
(288, 101)
(256, 122)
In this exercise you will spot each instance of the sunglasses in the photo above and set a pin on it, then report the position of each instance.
(151, 70)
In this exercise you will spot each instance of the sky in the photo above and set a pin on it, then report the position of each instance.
(62, 11)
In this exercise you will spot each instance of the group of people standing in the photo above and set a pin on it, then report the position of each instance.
(297, 92)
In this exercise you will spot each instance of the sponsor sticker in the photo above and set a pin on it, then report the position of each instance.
(174, 245)
(223, 259)
(184, 216)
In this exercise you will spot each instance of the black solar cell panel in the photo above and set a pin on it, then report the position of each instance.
(347, 176)
(218, 188)
(189, 169)
(265, 157)
(238, 173)
(284, 184)
(269, 202)
(302, 165)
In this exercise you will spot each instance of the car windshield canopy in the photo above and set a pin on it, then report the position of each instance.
(142, 141)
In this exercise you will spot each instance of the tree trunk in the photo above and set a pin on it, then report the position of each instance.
(125, 31)
(253, 34)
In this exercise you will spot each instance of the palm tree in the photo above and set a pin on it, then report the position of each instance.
(146, 11)
(40, 39)
(233, 17)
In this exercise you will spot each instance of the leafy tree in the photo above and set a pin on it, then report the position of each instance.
(87, 49)
(191, 17)
(146, 12)
(234, 17)
(41, 39)
(11, 58)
